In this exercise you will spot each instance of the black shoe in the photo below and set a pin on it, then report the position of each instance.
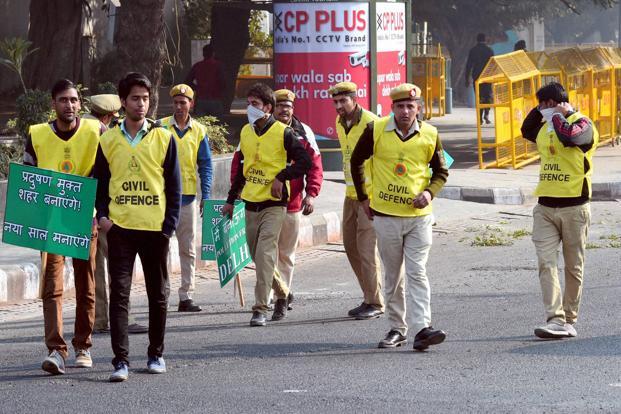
(105, 330)
(280, 310)
(289, 300)
(355, 311)
(487, 121)
(258, 319)
(136, 328)
(370, 312)
(427, 337)
(393, 340)
(188, 306)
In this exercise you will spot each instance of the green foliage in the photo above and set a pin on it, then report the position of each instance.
(33, 107)
(491, 238)
(16, 51)
(8, 154)
(518, 234)
(197, 18)
(217, 133)
(106, 87)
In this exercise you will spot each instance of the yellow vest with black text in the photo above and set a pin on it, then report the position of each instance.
(562, 173)
(348, 142)
(136, 190)
(264, 157)
(74, 156)
(401, 169)
(187, 152)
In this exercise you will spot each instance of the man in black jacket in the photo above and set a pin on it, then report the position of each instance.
(478, 57)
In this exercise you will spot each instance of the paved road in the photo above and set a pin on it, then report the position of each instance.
(486, 298)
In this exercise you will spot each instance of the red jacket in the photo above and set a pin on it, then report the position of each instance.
(313, 178)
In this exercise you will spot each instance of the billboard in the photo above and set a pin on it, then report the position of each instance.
(391, 52)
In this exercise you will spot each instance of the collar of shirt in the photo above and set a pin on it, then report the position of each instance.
(392, 126)
(355, 119)
(270, 121)
(188, 125)
(133, 141)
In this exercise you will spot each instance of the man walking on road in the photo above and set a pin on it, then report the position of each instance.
(399, 204)
(358, 234)
(194, 153)
(478, 57)
(566, 141)
(138, 202)
(67, 144)
(265, 148)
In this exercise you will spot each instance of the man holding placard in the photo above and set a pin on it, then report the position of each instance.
(266, 145)
(67, 144)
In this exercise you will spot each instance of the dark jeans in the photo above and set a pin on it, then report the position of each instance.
(152, 248)
(485, 97)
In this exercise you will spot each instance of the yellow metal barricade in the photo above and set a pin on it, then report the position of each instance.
(603, 101)
(513, 77)
(614, 56)
(429, 74)
(548, 67)
(577, 78)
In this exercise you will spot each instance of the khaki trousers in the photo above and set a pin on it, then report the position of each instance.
(287, 242)
(360, 247)
(53, 281)
(262, 230)
(186, 233)
(405, 240)
(551, 226)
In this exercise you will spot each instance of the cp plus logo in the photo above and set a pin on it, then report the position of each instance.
(393, 21)
(321, 20)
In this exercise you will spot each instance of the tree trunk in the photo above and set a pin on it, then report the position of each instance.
(230, 38)
(56, 31)
(140, 43)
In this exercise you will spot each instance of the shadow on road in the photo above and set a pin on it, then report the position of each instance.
(580, 347)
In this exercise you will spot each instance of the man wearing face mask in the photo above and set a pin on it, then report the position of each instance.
(402, 188)
(358, 234)
(566, 141)
(271, 155)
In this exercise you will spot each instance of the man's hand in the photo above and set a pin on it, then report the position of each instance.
(563, 108)
(227, 210)
(307, 205)
(366, 207)
(105, 224)
(200, 207)
(422, 200)
(277, 188)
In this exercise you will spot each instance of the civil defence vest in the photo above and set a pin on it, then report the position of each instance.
(401, 169)
(561, 173)
(136, 189)
(264, 157)
(187, 152)
(348, 142)
(74, 156)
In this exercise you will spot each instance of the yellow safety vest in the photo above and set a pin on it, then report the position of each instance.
(187, 152)
(348, 142)
(74, 156)
(264, 157)
(137, 197)
(561, 173)
(401, 169)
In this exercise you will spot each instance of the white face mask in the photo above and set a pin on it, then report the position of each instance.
(547, 115)
(254, 114)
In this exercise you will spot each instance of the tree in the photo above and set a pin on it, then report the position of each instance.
(16, 50)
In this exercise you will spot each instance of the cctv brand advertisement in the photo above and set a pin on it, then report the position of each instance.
(391, 70)
(317, 45)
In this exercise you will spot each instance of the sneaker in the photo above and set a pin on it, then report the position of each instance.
(188, 306)
(393, 340)
(258, 319)
(355, 311)
(54, 363)
(136, 328)
(552, 331)
(280, 310)
(289, 300)
(428, 336)
(83, 358)
(571, 331)
(156, 365)
(120, 374)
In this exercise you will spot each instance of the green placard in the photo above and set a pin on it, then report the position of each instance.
(229, 236)
(212, 214)
(49, 211)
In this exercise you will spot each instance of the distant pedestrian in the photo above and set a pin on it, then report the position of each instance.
(207, 77)
(399, 204)
(520, 45)
(478, 57)
(566, 141)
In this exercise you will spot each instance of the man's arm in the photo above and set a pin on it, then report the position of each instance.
(191, 76)
(205, 167)
(295, 152)
(172, 188)
(101, 171)
(532, 124)
(314, 176)
(238, 180)
(362, 152)
(577, 134)
(468, 68)
(30, 156)
(439, 169)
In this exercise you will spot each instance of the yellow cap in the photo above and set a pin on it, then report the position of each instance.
(343, 87)
(106, 104)
(405, 91)
(284, 95)
(183, 90)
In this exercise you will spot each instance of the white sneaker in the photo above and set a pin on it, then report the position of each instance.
(54, 363)
(552, 331)
(571, 331)
(83, 358)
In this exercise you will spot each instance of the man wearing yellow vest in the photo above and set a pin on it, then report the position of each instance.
(271, 155)
(67, 144)
(402, 187)
(138, 202)
(358, 234)
(566, 141)
(194, 153)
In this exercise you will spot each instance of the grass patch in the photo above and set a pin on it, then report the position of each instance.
(518, 234)
(593, 246)
(613, 237)
(489, 239)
